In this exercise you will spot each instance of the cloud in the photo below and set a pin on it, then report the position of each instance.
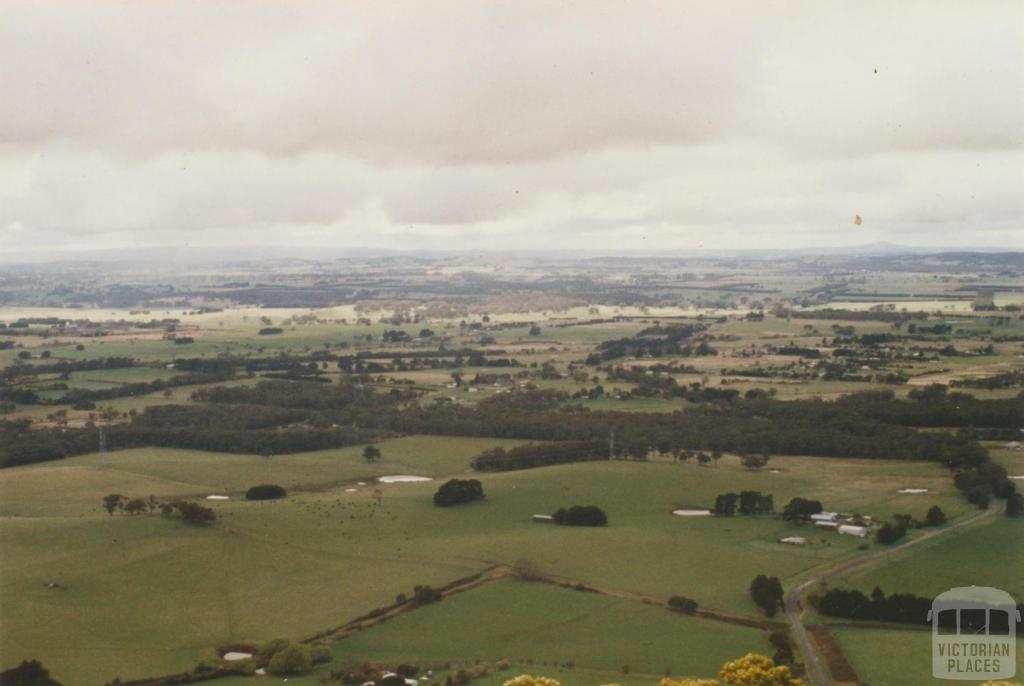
(507, 124)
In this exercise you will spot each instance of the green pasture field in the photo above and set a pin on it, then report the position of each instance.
(81, 482)
(524, 621)
(989, 554)
(541, 629)
(894, 657)
(145, 595)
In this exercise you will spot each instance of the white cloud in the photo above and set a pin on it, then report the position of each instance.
(512, 124)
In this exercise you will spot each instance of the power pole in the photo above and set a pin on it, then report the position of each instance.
(103, 448)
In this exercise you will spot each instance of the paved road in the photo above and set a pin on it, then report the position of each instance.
(816, 672)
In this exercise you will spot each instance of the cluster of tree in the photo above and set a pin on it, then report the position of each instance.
(784, 653)
(286, 658)
(893, 531)
(28, 673)
(411, 360)
(766, 592)
(539, 455)
(270, 331)
(800, 509)
(85, 396)
(802, 427)
(234, 429)
(301, 395)
(681, 603)
(422, 595)
(746, 503)
(938, 329)
(902, 608)
(395, 336)
(266, 492)
(1010, 379)
(458, 491)
(870, 315)
(797, 351)
(581, 515)
(933, 406)
(982, 482)
(656, 341)
(64, 367)
(651, 384)
(190, 512)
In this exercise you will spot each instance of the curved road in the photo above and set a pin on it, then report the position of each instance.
(815, 670)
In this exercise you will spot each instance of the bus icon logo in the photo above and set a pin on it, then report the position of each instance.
(973, 630)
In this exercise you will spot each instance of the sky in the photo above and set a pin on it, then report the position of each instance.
(586, 124)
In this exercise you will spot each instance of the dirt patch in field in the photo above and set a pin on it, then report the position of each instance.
(835, 658)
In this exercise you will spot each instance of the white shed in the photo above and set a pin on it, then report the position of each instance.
(851, 530)
(824, 517)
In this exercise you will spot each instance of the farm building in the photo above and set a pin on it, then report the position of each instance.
(543, 519)
(827, 524)
(852, 530)
(824, 517)
(794, 540)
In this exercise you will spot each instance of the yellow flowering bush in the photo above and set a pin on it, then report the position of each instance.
(529, 680)
(749, 670)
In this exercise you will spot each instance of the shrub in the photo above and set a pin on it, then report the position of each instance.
(270, 331)
(291, 659)
(194, 513)
(458, 491)
(265, 492)
(320, 654)
(425, 594)
(682, 604)
(28, 673)
(581, 515)
(890, 533)
(935, 516)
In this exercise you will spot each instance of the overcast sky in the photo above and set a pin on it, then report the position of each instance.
(636, 125)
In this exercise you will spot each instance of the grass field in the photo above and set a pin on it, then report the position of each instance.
(545, 625)
(577, 638)
(144, 595)
(893, 657)
(987, 555)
